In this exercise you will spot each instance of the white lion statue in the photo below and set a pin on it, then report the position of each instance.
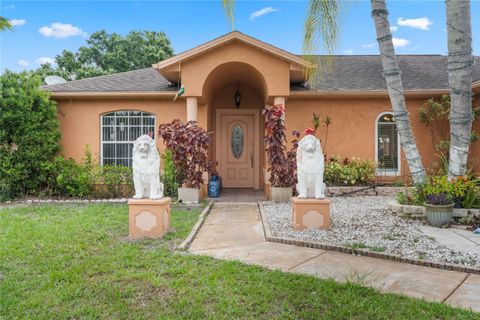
(310, 167)
(146, 169)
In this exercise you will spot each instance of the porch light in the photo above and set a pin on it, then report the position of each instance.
(238, 98)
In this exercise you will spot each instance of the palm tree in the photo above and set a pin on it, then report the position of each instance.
(4, 24)
(393, 79)
(460, 82)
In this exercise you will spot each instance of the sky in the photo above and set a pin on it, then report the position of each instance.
(43, 29)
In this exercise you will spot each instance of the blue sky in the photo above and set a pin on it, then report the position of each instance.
(44, 28)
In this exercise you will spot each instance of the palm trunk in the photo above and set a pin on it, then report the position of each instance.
(460, 82)
(395, 90)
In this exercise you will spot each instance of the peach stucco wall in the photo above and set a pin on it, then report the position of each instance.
(80, 120)
(276, 72)
(352, 132)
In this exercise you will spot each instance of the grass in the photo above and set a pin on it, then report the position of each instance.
(74, 262)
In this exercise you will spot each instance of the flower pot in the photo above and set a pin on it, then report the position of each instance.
(281, 194)
(438, 215)
(189, 195)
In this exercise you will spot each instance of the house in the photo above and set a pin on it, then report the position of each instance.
(228, 81)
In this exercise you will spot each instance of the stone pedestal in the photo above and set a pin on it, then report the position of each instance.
(148, 218)
(311, 213)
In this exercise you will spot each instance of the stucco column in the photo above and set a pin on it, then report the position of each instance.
(279, 100)
(192, 109)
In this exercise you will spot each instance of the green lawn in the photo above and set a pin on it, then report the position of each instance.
(74, 262)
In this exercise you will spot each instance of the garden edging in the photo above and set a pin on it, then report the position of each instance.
(193, 233)
(419, 211)
(338, 248)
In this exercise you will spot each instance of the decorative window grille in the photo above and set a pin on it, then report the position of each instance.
(387, 145)
(119, 130)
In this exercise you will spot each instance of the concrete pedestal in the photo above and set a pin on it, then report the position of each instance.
(311, 213)
(148, 218)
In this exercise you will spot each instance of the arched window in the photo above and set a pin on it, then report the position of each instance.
(387, 145)
(118, 132)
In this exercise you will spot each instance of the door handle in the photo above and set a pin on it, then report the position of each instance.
(251, 159)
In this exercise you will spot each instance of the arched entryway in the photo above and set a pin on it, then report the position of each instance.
(235, 93)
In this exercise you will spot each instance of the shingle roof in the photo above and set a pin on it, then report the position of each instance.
(364, 73)
(138, 80)
(358, 73)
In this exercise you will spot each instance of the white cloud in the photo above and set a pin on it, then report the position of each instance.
(261, 12)
(399, 42)
(348, 51)
(421, 23)
(45, 60)
(17, 22)
(23, 63)
(393, 28)
(61, 30)
(369, 45)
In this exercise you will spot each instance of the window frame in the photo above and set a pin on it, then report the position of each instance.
(381, 171)
(101, 127)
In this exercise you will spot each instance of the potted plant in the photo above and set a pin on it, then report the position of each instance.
(189, 146)
(282, 164)
(438, 201)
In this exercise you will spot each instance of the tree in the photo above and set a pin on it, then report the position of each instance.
(111, 53)
(393, 79)
(4, 24)
(460, 64)
(29, 133)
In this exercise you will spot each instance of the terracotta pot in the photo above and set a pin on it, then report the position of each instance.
(281, 194)
(438, 215)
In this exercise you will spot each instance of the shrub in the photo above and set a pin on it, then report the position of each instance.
(29, 134)
(117, 181)
(169, 177)
(189, 146)
(282, 164)
(348, 172)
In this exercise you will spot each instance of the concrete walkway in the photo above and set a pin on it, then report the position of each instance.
(455, 239)
(235, 232)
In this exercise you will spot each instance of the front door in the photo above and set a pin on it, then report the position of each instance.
(236, 154)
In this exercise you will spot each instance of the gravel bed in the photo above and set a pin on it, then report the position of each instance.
(365, 223)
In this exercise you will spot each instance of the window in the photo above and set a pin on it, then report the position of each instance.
(387, 153)
(118, 132)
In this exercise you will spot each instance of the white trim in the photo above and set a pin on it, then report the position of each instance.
(256, 138)
(384, 172)
(128, 141)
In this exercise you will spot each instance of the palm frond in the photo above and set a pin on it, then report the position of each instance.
(4, 24)
(229, 7)
(321, 27)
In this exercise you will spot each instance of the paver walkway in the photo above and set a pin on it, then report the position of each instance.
(235, 232)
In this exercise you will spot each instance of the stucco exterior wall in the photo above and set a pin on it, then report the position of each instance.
(352, 132)
(80, 120)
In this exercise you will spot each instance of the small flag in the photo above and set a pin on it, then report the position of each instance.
(179, 93)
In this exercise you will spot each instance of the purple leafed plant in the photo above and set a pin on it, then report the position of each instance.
(189, 146)
(439, 199)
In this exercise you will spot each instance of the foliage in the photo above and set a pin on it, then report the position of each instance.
(464, 192)
(66, 178)
(29, 134)
(107, 53)
(282, 163)
(189, 145)
(348, 172)
(434, 115)
(4, 24)
(317, 122)
(438, 199)
(169, 177)
(72, 262)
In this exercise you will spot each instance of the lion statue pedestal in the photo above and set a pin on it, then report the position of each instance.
(148, 211)
(310, 208)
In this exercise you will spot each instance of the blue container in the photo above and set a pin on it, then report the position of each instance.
(214, 187)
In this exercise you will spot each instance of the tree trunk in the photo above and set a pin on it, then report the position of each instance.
(460, 82)
(393, 79)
